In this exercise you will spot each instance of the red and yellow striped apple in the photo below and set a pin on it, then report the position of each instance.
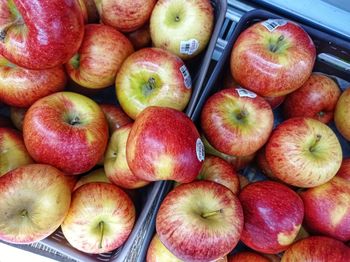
(341, 114)
(115, 116)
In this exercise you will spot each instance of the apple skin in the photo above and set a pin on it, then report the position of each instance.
(99, 57)
(247, 256)
(317, 248)
(344, 170)
(275, 102)
(100, 218)
(236, 125)
(218, 170)
(310, 144)
(181, 223)
(21, 87)
(30, 196)
(97, 175)
(341, 114)
(140, 38)
(174, 149)
(13, 152)
(30, 40)
(115, 163)
(66, 130)
(125, 15)
(273, 214)
(157, 252)
(272, 63)
(115, 116)
(151, 77)
(327, 209)
(17, 116)
(175, 21)
(316, 98)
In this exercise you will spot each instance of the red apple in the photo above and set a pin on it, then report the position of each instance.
(243, 181)
(115, 116)
(344, 170)
(264, 165)
(200, 221)
(171, 140)
(275, 101)
(273, 214)
(157, 252)
(247, 256)
(327, 209)
(97, 175)
(100, 218)
(236, 121)
(40, 34)
(100, 56)
(152, 77)
(141, 37)
(341, 114)
(125, 15)
(17, 116)
(21, 87)
(317, 248)
(273, 57)
(66, 130)
(316, 98)
(34, 200)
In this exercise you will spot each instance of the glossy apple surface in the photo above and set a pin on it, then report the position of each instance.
(66, 130)
(344, 170)
(341, 114)
(40, 34)
(272, 61)
(200, 212)
(115, 116)
(34, 200)
(97, 175)
(273, 214)
(17, 116)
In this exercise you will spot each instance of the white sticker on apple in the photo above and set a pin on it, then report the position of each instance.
(200, 151)
(187, 77)
(245, 93)
(189, 47)
(272, 24)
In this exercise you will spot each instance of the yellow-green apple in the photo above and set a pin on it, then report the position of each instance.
(236, 121)
(327, 209)
(115, 163)
(66, 130)
(341, 114)
(125, 15)
(317, 248)
(100, 218)
(34, 200)
(140, 38)
(299, 152)
(218, 170)
(115, 116)
(13, 152)
(152, 77)
(40, 34)
(164, 144)
(272, 57)
(17, 116)
(21, 87)
(273, 214)
(97, 175)
(182, 27)
(247, 256)
(200, 221)
(101, 54)
(316, 98)
(89, 11)
(344, 170)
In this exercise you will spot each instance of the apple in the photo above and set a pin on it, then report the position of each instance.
(276, 101)
(182, 27)
(34, 200)
(236, 121)
(97, 175)
(115, 163)
(89, 11)
(140, 38)
(17, 116)
(317, 248)
(21, 87)
(272, 57)
(344, 170)
(299, 152)
(152, 77)
(164, 144)
(273, 214)
(316, 98)
(66, 130)
(243, 181)
(13, 152)
(247, 256)
(40, 34)
(264, 165)
(100, 218)
(115, 116)
(200, 221)
(125, 15)
(341, 114)
(327, 209)
(218, 170)
(157, 252)
(100, 56)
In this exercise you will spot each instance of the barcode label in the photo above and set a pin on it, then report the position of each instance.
(187, 77)
(272, 24)
(189, 47)
(200, 151)
(245, 93)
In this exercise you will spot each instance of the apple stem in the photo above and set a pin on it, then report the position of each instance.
(318, 138)
(274, 47)
(6, 27)
(212, 213)
(74, 121)
(24, 213)
(177, 18)
(101, 226)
